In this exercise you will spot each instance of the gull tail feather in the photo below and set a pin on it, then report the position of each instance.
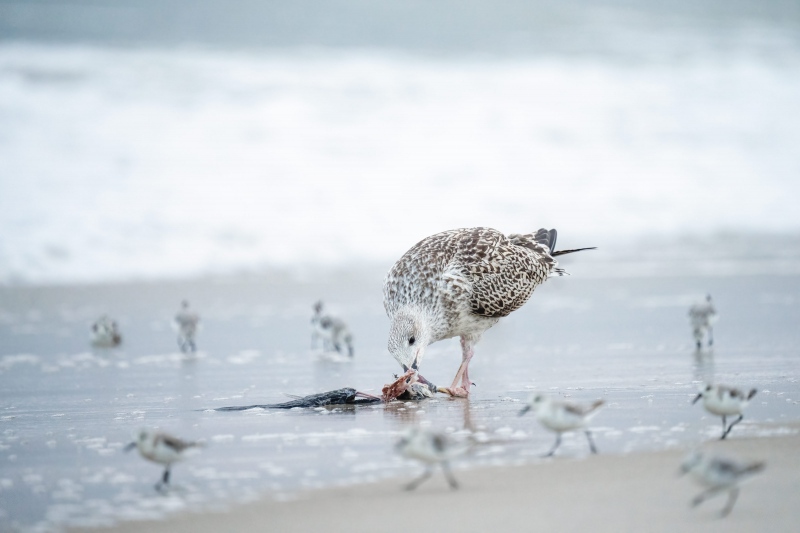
(564, 252)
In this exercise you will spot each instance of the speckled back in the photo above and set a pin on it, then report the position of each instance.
(477, 270)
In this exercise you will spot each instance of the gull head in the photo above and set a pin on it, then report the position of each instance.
(408, 337)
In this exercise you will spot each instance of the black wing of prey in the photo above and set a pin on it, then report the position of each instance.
(342, 396)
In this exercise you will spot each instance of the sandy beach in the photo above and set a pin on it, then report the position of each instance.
(68, 412)
(605, 493)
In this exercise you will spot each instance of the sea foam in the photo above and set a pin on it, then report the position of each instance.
(153, 163)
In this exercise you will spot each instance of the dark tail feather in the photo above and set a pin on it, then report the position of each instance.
(548, 238)
(755, 467)
(551, 239)
(563, 252)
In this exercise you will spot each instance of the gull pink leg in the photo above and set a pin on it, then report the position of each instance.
(463, 370)
(466, 356)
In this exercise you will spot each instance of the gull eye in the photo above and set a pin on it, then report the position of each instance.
(411, 341)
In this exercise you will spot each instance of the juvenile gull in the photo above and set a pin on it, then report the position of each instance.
(161, 448)
(431, 448)
(186, 320)
(330, 332)
(105, 333)
(562, 416)
(459, 283)
(719, 474)
(702, 316)
(725, 401)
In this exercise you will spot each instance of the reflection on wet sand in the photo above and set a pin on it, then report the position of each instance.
(703, 367)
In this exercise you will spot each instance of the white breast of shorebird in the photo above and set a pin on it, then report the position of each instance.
(428, 446)
(186, 319)
(722, 400)
(561, 416)
(717, 471)
(702, 314)
(105, 333)
(161, 448)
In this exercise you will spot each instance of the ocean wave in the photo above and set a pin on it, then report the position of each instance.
(153, 163)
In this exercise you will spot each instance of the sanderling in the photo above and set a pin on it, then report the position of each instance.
(105, 333)
(330, 332)
(725, 401)
(186, 321)
(459, 283)
(561, 416)
(161, 448)
(431, 448)
(702, 316)
(719, 474)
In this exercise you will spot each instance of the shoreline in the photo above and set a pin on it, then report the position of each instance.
(613, 493)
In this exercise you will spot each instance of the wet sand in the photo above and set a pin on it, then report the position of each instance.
(613, 493)
(67, 412)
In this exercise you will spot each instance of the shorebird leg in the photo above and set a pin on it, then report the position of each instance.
(555, 446)
(164, 480)
(710, 337)
(449, 475)
(732, 495)
(703, 496)
(417, 482)
(591, 442)
(726, 431)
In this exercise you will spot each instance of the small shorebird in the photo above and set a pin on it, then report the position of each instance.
(430, 448)
(330, 332)
(719, 474)
(186, 320)
(725, 401)
(161, 448)
(105, 333)
(702, 316)
(561, 416)
(459, 283)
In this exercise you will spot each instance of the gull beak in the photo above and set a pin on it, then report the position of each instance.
(444, 390)
(696, 398)
(524, 410)
(415, 364)
(129, 447)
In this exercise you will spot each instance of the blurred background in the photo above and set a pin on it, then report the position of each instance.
(173, 138)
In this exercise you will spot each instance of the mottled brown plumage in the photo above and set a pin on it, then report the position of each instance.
(460, 283)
